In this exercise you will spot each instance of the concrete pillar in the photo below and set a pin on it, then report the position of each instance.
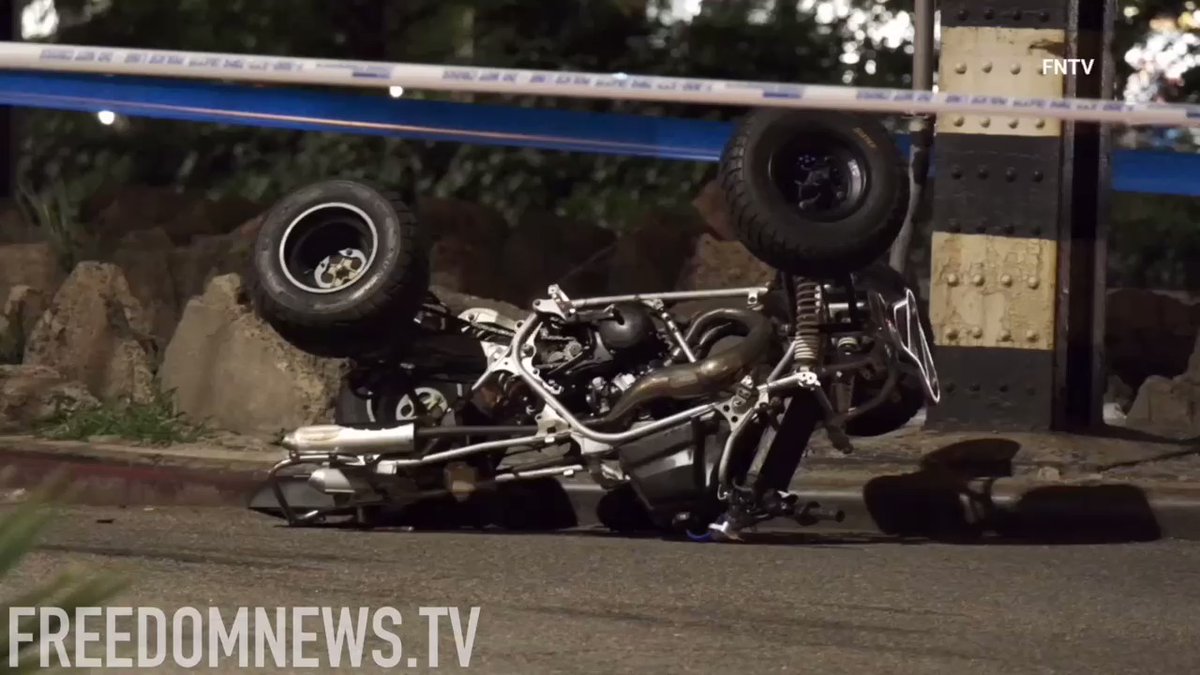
(1016, 297)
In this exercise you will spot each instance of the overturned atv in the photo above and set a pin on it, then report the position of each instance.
(695, 419)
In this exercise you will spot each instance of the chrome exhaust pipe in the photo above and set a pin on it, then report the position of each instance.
(704, 377)
(334, 438)
(333, 481)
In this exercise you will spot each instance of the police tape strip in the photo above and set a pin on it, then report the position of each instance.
(370, 74)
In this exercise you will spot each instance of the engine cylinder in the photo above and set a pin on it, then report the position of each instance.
(631, 327)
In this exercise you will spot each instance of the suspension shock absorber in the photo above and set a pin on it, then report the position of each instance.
(806, 340)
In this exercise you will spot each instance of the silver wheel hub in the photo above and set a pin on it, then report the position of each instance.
(341, 269)
(433, 402)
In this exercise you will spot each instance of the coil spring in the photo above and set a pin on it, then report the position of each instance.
(806, 340)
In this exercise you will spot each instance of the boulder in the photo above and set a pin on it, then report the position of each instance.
(466, 240)
(194, 265)
(1170, 405)
(34, 265)
(117, 212)
(19, 313)
(1149, 332)
(25, 305)
(144, 257)
(12, 344)
(722, 264)
(651, 255)
(227, 368)
(714, 211)
(31, 395)
(1166, 406)
(210, 256)
(14, 229)
(545, 249)
(94, 331)
(211, 217)
(241, 247)
(1119, 393)
(182, 215)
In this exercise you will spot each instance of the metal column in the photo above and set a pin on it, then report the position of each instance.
(1017, 265)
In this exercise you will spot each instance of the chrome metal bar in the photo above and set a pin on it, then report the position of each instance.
(780, 367)
(516, 475)
(277, 490)
(441, 432)
(474, 448)
(673, 295)
(677, 335)
(727, 452)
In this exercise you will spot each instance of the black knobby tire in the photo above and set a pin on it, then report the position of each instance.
(905, 401)
(908, 398)
(826, 237)
(374, 309)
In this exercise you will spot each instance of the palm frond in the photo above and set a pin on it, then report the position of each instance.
(20, 528)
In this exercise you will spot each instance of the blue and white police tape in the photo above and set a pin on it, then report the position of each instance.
(291, 70)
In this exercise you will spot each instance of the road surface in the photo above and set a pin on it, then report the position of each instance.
(592, 603)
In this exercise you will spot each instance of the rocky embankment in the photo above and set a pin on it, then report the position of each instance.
(158, 308)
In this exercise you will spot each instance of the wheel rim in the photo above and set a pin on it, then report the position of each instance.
(405, 409)
(328, 248)
(822, 178)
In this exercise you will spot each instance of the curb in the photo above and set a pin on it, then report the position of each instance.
(919, 505)
(121, 476)
(886, 501)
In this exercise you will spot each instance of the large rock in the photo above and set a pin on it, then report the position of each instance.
(117, 212)
(722, 264)
(1170, 405)
(14, 229)
(1120, 393)
(24, 306)
(1165, 405)
(545, 249)
(31, 395)
(211, 217)
(194, 265)
(1149, 332)
(466, 242)
(94, 331)
(241, 247)
(12, 343)
(33, 265)
(19, 313)
(650, 255)
(182, 215)
(144, 257)
(224, 366)
(714, 211)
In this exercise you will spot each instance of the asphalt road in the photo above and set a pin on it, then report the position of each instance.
(591, 603)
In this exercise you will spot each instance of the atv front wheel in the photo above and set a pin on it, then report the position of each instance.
(814, 193)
